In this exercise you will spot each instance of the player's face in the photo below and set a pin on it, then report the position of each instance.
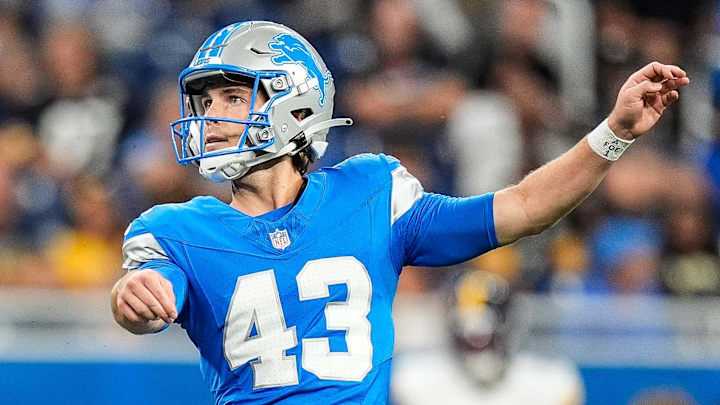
(227, 102)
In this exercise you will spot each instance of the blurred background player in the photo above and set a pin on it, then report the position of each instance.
(460, 352)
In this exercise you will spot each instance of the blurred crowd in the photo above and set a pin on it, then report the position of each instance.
(469, 94)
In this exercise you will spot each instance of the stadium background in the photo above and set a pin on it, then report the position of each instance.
(469, 94)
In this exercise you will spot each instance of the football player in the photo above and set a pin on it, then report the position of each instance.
(287, 291)
(464, 357)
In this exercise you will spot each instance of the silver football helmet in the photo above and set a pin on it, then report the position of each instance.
(269, 57)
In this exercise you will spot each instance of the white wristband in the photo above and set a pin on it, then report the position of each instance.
(605, 143)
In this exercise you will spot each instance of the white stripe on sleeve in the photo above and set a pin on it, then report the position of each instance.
(141, 249)
(406, 189)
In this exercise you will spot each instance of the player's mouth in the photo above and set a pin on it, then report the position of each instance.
(215, 142)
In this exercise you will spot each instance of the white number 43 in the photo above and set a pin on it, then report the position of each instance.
(256, 302)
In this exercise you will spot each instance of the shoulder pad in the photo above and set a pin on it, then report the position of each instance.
(366, 170)
(166, 220)
(368, 160)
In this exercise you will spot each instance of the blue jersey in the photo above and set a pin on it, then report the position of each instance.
(296, 307)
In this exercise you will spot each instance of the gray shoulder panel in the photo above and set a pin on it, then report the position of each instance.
(141, 249)
(406, 189)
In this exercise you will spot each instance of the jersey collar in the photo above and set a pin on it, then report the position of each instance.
(294, 221)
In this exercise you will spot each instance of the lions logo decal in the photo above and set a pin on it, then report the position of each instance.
(291, 50)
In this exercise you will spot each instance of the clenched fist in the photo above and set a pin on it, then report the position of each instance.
(143, 301)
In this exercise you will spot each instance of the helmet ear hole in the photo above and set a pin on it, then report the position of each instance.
(302, 113)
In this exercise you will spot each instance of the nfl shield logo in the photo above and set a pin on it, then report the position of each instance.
(280, 239)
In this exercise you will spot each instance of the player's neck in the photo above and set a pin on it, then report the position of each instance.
(267, 188)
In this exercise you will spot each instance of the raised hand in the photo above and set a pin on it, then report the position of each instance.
(644, 97)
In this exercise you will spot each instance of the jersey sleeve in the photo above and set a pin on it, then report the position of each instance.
(436, 230)
(141, 250)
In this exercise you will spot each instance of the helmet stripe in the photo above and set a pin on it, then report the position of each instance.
(212, 46)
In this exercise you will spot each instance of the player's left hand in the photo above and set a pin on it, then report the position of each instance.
(644, 97)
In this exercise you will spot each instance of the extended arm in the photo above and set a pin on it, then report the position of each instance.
(551, 192)
(548, 194)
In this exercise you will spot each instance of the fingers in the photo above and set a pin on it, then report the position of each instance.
(668, 72)
(664, 88)
(153, 304)
(656, 71)
(669, 97)
(673, 84)
(147, 296)
(161, 293)
(144, 313)
(676, 71)
(129, 312)
(167, 285)
(645, 95)
(643, 88)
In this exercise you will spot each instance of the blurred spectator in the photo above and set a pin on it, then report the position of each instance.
(632, 33)
(484, 131)
(626, 243)
(85, 254)
(37, 195)
(710, 162)
(406, 88)
(22, 85)
(691, 264)
(530, 82)
(82, 124)
(405, 99)
(32, 208)
(569, 260)
(626, 255)
(12, 245)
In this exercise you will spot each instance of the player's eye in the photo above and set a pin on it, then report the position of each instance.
(236, 100)
(206, 104)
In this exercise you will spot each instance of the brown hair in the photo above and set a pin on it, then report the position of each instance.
(301, 161)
